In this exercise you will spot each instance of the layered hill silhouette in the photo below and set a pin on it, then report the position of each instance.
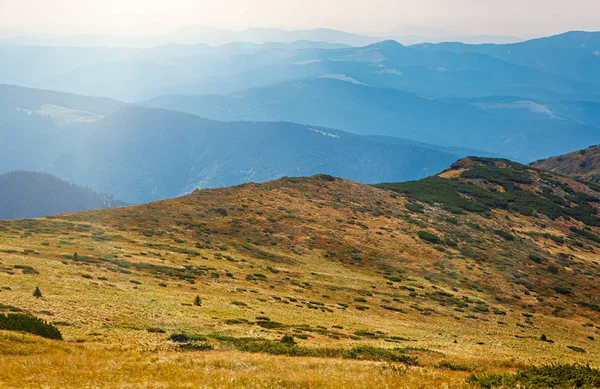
(501, 99)
(566, 70)
(31, 195)
(579, 59)
(524, 129)
(139, 155)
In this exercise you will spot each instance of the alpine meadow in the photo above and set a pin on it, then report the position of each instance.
(393, 194)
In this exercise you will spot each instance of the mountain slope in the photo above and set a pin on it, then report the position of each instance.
(574, 54)
(510, 128)
(30, 195)
(142, 155)
(583, 164)
(39, 126)
(139, 155)
(471, 274)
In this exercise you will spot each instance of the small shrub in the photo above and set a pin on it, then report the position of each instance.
(544, 338)
(288, 339)
(505, 235)
(563, 290)
(37, 293)
(179, 338)
(197, 301)
(452, 366)
(536, 258)
(429, 237)
(221, 211)
(415, 207)
(183, 338)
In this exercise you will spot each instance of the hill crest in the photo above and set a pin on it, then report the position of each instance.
(582, 164)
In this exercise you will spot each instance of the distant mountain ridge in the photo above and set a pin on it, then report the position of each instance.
(575, 54)
(508, 126)
(434, 70)
(197, 34)
(139, 154)
(32, 195)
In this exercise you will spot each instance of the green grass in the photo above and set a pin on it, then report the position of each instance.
(462, 195)
(550, 376)
(275, 347)
(452, 366)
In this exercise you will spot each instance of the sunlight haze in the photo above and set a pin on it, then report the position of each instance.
(376, 17)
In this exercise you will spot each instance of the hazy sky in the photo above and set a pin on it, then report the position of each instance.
(143, 17)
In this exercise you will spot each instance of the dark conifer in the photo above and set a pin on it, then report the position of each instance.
(37, 293)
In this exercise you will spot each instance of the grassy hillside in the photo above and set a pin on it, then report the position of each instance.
(317, 282)
(583, 164)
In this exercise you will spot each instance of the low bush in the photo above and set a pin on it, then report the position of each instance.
(452, 366)
(183, 338)
(549, 376)
(415, 207)
(29, 324)
(429, 237)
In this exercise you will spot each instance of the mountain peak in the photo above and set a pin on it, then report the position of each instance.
(471, 162)
(387, 44)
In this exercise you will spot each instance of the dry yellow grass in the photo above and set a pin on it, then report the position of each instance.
(293, 251)
(35, 363)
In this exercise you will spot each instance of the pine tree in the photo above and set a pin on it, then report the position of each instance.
(75, 256)
(197, 301)
(37, 293)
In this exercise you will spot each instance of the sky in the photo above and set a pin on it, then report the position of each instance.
(519, 18)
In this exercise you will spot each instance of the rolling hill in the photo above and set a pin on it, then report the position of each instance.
(31, 195)
(140, 155)
(520, 128)
(575, 54)
(493, 271)
(582, 164)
